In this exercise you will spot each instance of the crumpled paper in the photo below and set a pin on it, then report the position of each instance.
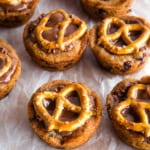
(15, 130)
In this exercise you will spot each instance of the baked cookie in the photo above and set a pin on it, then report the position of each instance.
(121, 44)
(56, 40)
(10, 68)
(128, 107)
(99, 9)
(16, 12)
(64, 114)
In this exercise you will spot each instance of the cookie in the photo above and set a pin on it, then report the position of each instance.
(64, 114)
(10, 68)
(128, 107)
(16, 12)
(57, 40)
(100, 9)
(121, 44)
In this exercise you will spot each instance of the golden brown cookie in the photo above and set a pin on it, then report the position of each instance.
(128, 107)
(16, 12)
(56, 40)
(99, 9)
(121, 44)
(64, 114)
(10, 68)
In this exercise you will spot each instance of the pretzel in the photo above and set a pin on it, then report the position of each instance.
(123, 32)
(52, 122)
(138, 106)
(7, 64)
(13, 1)
(62, 41)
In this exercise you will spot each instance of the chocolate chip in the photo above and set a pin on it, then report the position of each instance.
(126, 66)
(101, 13)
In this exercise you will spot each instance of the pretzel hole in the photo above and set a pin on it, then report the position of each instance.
(112, 28)
(68, 115)
(49, 105)
(2, 62)
(129, 21)
(143, 95)
(134, 35)
(130, 114)
(70, 29)
(148, 114)
(74, 98)
(51, 35)
(119, 42)
(55, 19)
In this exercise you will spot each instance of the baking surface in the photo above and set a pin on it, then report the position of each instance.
(15, 130)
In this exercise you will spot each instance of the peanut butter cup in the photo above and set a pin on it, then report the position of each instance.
(128, 107)
(10, 68)
(16, 12)
(56, 40)
(121, 44)
(64, 114)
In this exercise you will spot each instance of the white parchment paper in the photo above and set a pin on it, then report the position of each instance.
(15, 130)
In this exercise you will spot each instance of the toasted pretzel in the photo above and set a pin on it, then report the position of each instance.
(62, 41)
(109, 2)
(13, 1)
(139, 107)
(52, 122)
(124, 30)
(8, 63)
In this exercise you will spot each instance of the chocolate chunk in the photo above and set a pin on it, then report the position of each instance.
(55, 19)
(126, 66)
(130, 114)
(112, 28)
(51, 35)
(134, 34)
(70, 29)
(49, 105)
(147, 140)
(119, 42)
(101, 13)
(68, 116)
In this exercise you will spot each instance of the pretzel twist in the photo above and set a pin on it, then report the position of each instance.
(13, 2)
(123, 32)
(62, 40)
(139, 107)
(7, 63)
(52, 122)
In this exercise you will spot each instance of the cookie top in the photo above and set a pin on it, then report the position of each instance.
(122, 41)
(128, 106)
(61, 113)
(57, 31)
(56, 40)
(8, 62)
(14, 5)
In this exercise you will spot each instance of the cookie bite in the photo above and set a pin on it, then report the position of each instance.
(100, 9)
(121, 44)
(57, 40)
(64, 114)
(10, 68)
(128, 106)
(16, 12)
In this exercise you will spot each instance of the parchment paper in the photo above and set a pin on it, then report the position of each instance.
(15, 130)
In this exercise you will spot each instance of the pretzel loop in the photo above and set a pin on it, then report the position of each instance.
(13, 2)
(52, 121)
(132, 46)
(7, 62)
(140, 109)
(62, 41)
